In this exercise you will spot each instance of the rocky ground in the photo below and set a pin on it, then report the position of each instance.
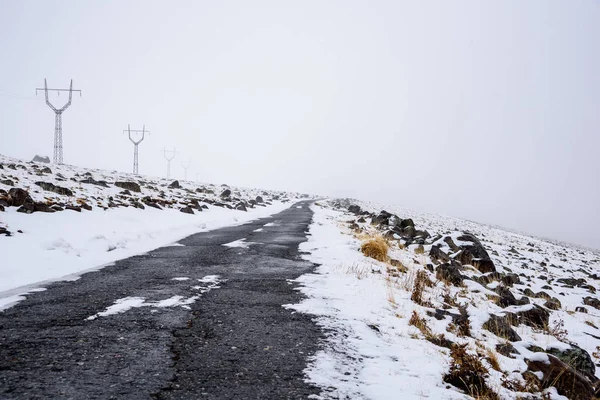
(493, 314)
(38, 187)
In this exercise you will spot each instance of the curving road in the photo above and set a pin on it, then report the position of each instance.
(182, 334)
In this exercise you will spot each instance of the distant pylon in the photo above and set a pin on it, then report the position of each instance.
(135, 145)
(185, 167)
(58, 142)
(169, 161)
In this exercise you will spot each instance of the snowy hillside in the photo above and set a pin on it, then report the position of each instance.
(440, 308)
(58, 220)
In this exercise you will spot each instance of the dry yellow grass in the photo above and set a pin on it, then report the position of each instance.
(376, 248)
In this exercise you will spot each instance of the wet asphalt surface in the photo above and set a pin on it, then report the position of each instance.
(235, 342)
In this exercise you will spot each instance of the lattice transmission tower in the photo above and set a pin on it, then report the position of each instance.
(135, 145)
(58, 142)
(169, 160)
(185, 166)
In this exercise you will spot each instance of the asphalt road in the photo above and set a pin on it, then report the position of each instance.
(234, 342)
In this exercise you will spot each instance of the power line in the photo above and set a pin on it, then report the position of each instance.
(58, 142)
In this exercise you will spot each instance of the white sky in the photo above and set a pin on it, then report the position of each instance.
(487, 110)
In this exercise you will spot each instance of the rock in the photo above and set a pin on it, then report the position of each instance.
(567, 381)
(85, 205)
(507, 298)
(150, 203)
(7, 182)
(507, 350)
(592, 302)
(41, 207)
(448, 240)
(41, 159)
(438, 256)
(17, 197)
(73, 208)
(2, 207)
(4, 231)
(92, 181)
(553, 304)
(226, 193)
(174, 185)
(581, 310)
(241, 207)
(354, 209)
(450, 273)
(137, 204)
(28, 207)
(383, 218)
(535, 317)
(405, 223)
(510, 279)
(475, 254)
(46, 170)
(50, 187)
(131, 186)
(500, 326)
(577, 358)
(187, 210)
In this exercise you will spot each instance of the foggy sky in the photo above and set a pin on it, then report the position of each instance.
(487, 110)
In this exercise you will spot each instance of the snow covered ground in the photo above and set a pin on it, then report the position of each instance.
(374, 348)
(48, 246)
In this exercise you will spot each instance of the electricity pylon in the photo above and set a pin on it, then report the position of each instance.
(169, 161)
(185, 167)
(135, 145)
(58, 142)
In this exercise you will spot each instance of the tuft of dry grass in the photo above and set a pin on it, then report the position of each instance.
(468, 373)
(420, 323)
(376, 248)
(492, 358)
(421, 282)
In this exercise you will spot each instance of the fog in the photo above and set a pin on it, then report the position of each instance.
(484, 110)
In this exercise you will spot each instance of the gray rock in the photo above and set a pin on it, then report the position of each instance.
(174, 185)
(577, 358)
(50, 187)
(226, 193)
(500, 326)
(41, 159)
(132, 186)
(187, 210)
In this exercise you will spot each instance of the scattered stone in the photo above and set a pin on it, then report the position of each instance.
(500, 326)
(4, 231)
(577, 358)
(73, 208)
(535, 317)
(7, 182)
(507, 350)
(187, 210)
(92, 181)
(129, 186)
(438, 256)
(41, 159)
(241, 207)
(567, 381)
(553, 304)
(450, 273)
(592, 302)
(581, 309)
(355, 209)
(174, 185)
(226, 193)
(507, 298)
(50, 187)
(17, 197)
(46, 170)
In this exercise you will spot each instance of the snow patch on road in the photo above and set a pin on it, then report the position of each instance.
(127, 303)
